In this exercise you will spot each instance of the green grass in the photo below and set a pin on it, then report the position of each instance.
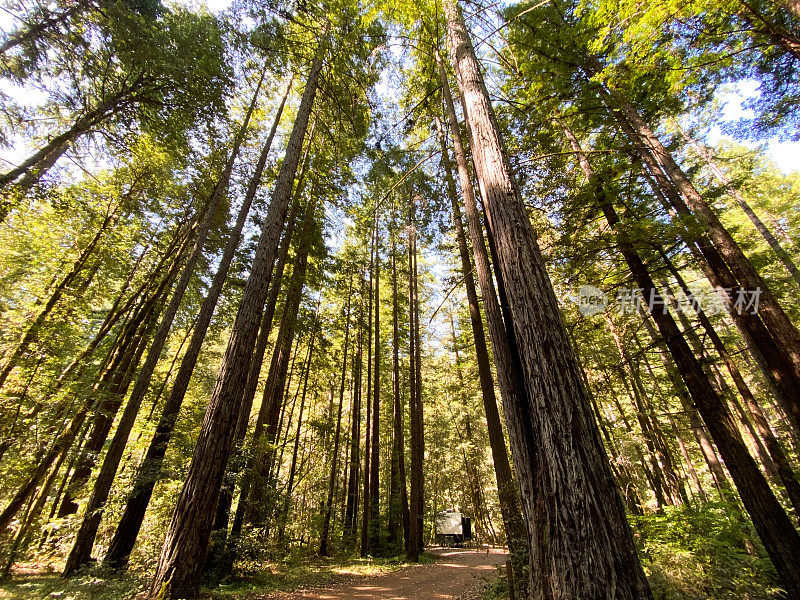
(94, 585)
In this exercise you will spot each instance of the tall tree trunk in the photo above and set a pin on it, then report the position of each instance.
(256, 502)
(776, 531)
(181, 560)
(507, 489)
(68, 280)
(687, 201)
(774, 448)
(253, 376)
(419, 414)
(581, 544)
(351, 506)
(415, 540)
(111, 391)
(81, 551)
(276, 375)
(282, 516)
(374, 470)
(504, 348)
(367, 504)
(326, 519)
(127, 529)
(395, 508)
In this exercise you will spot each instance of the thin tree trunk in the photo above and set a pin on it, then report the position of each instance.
(774, 448)
(398, 443)
(419, 413)
(293, 466)
(416, 496)
(326, 519)
(374, 470)
(111, 391)
(35, 326)
(687, 200)
(81, 551)
(351, 507)
(367, 504)
(676, 430)
(255, 503)
(468, 447)
(118, 310)
(624, 475)
(35, 166)
(661, 465)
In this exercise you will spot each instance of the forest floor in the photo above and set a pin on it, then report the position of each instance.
(444, 573)
(456, 574)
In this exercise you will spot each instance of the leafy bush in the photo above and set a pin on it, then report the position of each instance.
(704, 552)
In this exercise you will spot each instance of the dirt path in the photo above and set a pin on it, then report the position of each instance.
(456, 573)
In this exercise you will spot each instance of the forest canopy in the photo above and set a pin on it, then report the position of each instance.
(282, 282)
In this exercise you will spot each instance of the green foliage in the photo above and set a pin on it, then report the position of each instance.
(704, 552)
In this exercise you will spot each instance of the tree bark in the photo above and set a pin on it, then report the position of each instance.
(395, 509)
(367, 504)
(776, 452)
(254, 374)
(687, 201)
(351, 506)
(374, 470)
(416, 501)
(257, 499)
(81, 551)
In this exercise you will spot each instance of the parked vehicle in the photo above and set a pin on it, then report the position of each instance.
(453, 528)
